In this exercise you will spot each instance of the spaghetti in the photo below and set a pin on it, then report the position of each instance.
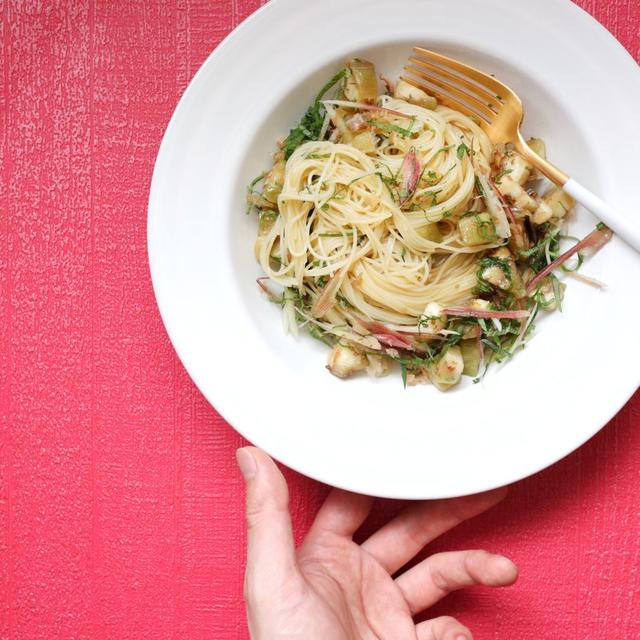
(382, 215)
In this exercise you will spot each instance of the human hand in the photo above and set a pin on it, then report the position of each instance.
(334, 589)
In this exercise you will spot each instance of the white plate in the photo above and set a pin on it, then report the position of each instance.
(581, 91)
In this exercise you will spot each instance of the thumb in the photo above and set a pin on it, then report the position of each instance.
(270, 547)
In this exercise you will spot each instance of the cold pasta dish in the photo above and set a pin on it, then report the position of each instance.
(391, 229)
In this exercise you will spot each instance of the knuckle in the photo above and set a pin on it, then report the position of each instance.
(440, 580)
(415, 532)
(459, 509)
(457, 631)
(473, 562)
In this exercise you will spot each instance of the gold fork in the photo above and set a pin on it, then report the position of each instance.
(500, 113)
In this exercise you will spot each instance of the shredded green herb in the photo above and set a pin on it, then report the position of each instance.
(251, 191)
(384, 126)
(431, 178)
(461, 150)
(255, 181)
(391, 185)
(557, 291)
(549, 246)
(310, 126)
(442, 150)
(403, 370)
(579, 261)
(343, 301)
(434, 196)
(486, 228)
(501, 174)
(319, 334)
(424, 320)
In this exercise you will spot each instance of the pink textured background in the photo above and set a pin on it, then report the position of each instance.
(120, 505)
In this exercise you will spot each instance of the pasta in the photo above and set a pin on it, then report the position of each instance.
(398, 233)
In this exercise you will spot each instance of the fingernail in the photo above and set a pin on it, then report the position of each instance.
(462, 638)
(246, 463)
(505, 564)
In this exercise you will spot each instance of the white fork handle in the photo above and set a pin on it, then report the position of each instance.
(620, 224)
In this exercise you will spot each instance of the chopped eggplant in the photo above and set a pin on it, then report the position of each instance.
(273, 182)
(433, 320)
(516, 193)
(365, 142)
(516, 284)
(516, 168)
(447, 369)
(542, 214)
(559, 201)
(537, 145)
(345, 361)
(361, 84)
(406, 91)
(472, 356)
(476, 228)
(379, 366)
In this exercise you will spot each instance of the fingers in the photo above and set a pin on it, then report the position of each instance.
(443, 628)
(442, 573)
(401, 539)
(270, 547)
(341, 514)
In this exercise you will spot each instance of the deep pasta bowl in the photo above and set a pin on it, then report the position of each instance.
(369, 435)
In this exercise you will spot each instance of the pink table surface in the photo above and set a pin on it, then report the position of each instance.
(120, 505)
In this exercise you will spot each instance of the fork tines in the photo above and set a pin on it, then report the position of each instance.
(455, 84)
